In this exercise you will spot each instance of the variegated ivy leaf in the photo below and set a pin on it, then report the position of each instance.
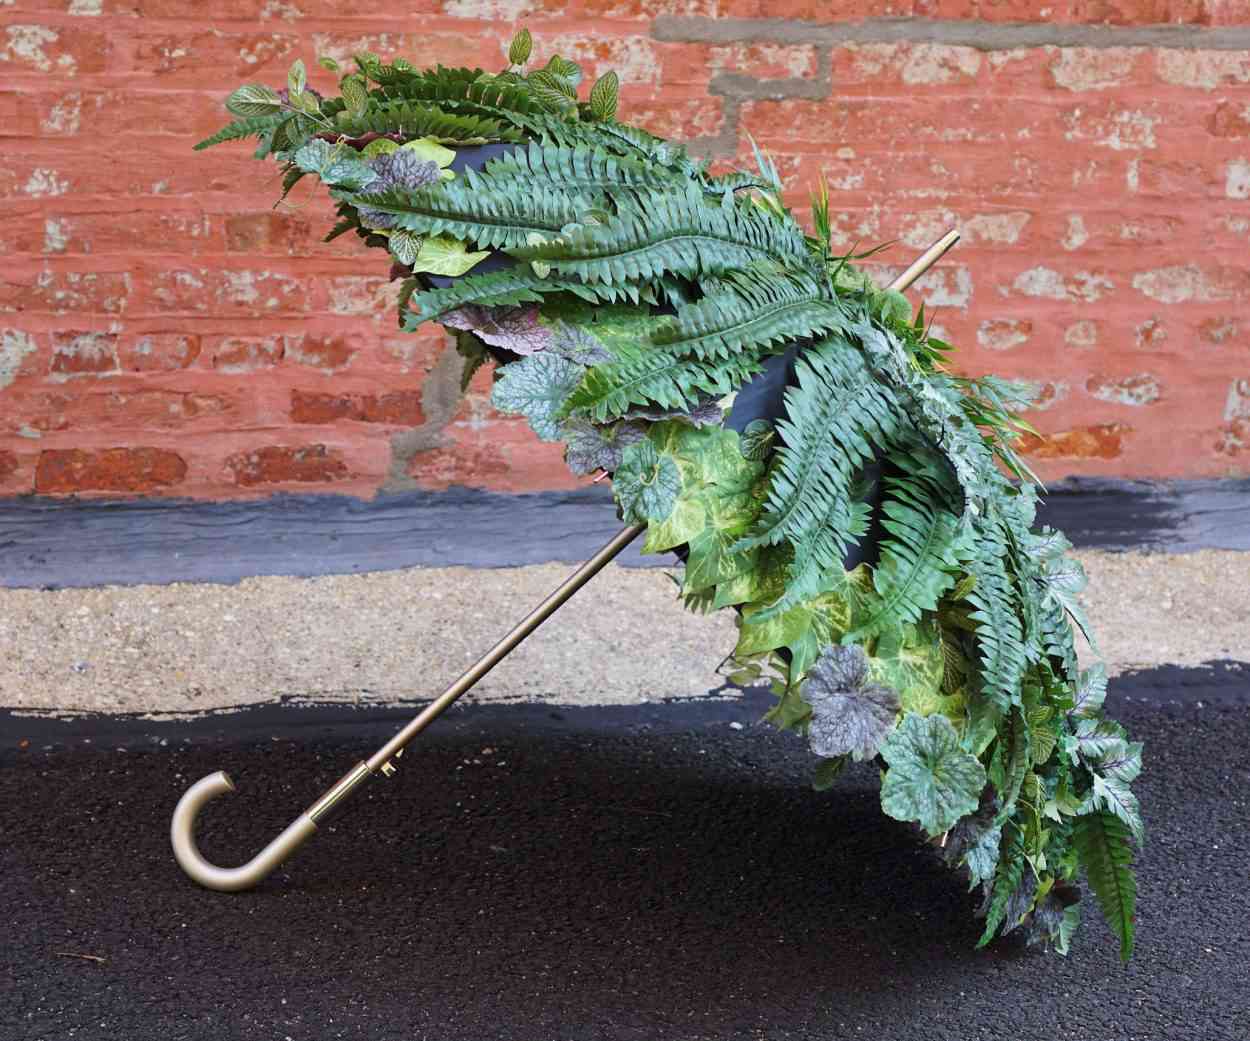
(515, 329)
(443, 255)
(849, 716)
(591, 447)
(404, 245)
(931, 780)
(646, 483)
(253, 99)
(536, 387)
(757, 439)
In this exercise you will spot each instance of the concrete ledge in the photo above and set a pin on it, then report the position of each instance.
(62, 543)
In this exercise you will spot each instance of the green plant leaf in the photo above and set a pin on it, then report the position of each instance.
(296, 78)
(605, 96)
(849, 715)
(520, 48)
(930, 779)
(536, 387)
(404, 245)
(355, 93)
(757, 440)
(328, 63)
(254, 99)
(1101, 841)
(443, 255)
(828, 771)
(646, 484)
(430, 151)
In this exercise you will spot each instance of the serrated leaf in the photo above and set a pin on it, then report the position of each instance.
(296, 77)
(591, 447)
(253, 99)
(1091, 692)
(930, 779)
(849, 716)
(516, 329)
(520, 48)
(537, 387)
(443, 255)
(1116, 797)
(605, 96)
(646, 484)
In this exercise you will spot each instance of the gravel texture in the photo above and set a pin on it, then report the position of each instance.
(620, 874)
(397, 636)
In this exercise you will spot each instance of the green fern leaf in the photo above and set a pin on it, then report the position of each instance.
(669, 232)
(240, 129)
(580, 168)
(1102, 844)
(999, 635)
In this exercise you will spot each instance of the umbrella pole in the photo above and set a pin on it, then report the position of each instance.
(182, 827)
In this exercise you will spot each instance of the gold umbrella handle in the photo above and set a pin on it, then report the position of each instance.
(300, 830)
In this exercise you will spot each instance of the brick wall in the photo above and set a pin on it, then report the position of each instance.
(165, 331)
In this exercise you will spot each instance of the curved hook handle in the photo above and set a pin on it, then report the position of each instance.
(230, 880)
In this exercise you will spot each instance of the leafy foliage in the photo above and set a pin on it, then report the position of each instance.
(877, 539)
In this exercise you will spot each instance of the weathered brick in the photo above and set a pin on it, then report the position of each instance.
(244, 354)
(1102, 441)
(159, 351)
(284, 464)
(16, 345)
(8, 465)
(108, 470)
(323, 351)
(57, 49)
(398, 408)
(1004, 334)
(77, 353)
(1139, 389)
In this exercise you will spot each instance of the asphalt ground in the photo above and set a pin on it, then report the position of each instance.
(648, 872)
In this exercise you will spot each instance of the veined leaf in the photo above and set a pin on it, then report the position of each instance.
(1101, 841)
(537, 387)
(849, 715)
(930, 779)
(646, 483)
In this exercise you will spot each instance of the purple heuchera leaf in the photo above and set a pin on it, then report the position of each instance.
(515, 329)
(399, 169)
(706, 413)
(591, 447)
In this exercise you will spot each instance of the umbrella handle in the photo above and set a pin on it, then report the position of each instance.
(300, 830)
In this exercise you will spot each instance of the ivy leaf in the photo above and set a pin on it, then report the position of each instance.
(849, 716)
(404, 245)
(605, 96)
(591, 447)
(930, 779)
(537, 387)
(443, 255)
(757, 440)
(520, 48)
(429, 151)
(253, 99)
(515, 329)
(646, 483)
(578, 344)
(296, 78)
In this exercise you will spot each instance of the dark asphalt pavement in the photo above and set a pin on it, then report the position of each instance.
(651, 874)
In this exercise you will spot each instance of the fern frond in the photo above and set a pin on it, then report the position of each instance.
(656, 377)
(492, 219)
(466, 90)
(670, 232)
(412, 119)
(507, 288)
(1102, 844)
(922, 550)
(752, 308)
(735, 181)
(252, 126)
(999, 637)
(580, 168)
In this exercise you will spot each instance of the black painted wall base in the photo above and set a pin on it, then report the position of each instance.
(56, 543)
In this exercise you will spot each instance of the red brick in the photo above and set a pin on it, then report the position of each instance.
(329, 353)
(59, 50)
(280, 464)
(399, 408)
(242, 354)
(108, 470)
(77, 353)
(265, 233)
(1104, 441)
(159, 351)
(8, 465)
